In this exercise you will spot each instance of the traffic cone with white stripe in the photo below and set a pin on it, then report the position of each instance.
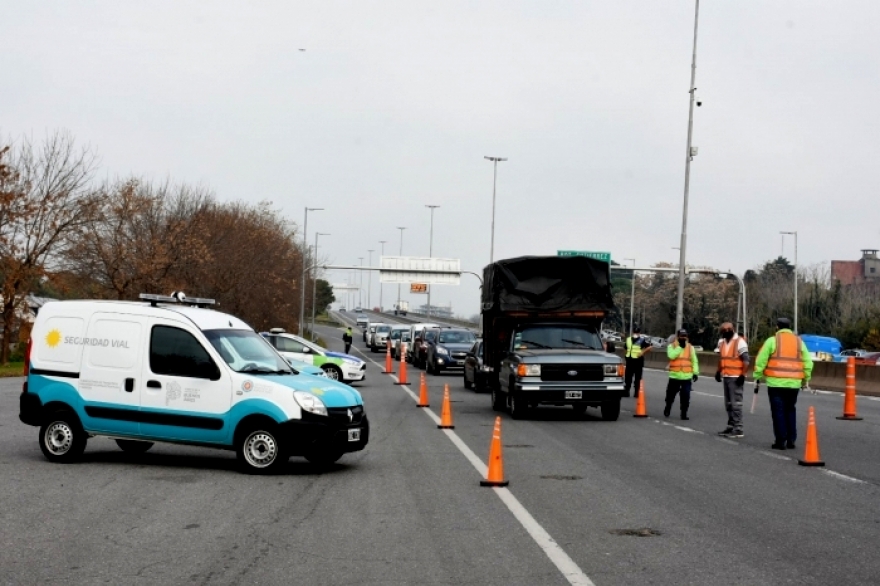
(446, 411)
(849, 396)
(641, 407)
(388, 367)
(811, 450)
(495, 471)
(423, 393)
(401, 375)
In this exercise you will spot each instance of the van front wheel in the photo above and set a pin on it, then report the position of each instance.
(62, 438)
(260, 451)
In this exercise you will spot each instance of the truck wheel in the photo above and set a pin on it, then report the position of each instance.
(62, 438)
(259, 449)
(332, 371)
(611, 410)
(133, 446)
(580, 410)
(498, 401)
(519, 409)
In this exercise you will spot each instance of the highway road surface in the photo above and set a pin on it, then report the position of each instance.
(636, 501)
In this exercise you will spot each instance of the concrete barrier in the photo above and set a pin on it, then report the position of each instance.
(827, 376)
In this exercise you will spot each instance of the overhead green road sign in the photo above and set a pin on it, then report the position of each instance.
(603, 256)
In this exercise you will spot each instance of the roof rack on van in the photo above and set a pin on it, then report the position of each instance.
(176, 297)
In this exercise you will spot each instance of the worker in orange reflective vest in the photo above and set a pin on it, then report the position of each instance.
(785, 363)
(733, 362)
(683, 372)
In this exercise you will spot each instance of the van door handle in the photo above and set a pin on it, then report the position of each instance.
(129, 385)
(154, 384)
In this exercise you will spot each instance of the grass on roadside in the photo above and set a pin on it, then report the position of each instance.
(11, 369)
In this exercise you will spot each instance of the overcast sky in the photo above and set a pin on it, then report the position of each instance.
(393, 105)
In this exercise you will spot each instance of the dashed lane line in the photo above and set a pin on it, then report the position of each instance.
(554, 552)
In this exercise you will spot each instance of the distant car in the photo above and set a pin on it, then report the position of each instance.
(869, 359)
(362, 320)
(447, 348)
(379, 339)
(845, 354)
(336, 365)
(474, 369)
(368, 334)
(415, 349)
(397, 336)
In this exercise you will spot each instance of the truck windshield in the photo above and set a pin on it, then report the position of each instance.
(246, 351)
(552, 337)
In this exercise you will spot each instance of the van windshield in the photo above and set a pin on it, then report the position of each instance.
(246, 351)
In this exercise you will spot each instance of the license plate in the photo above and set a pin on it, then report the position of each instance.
(354, 435)
(574, 394)
(459, 362)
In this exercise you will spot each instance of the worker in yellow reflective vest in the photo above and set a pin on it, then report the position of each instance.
(636, 348)
(785, 363)
(683, 372)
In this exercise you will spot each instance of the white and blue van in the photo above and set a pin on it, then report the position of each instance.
(170, 369)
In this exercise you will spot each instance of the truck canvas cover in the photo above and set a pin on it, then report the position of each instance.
(547, 284)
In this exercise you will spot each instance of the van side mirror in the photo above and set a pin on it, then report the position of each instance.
(610, 347)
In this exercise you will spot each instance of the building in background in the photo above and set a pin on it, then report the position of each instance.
(856, 272)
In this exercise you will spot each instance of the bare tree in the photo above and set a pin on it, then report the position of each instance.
(45, 197)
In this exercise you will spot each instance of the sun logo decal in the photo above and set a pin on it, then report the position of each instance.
(53, 338)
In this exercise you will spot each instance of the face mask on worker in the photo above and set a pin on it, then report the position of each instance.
(682, 341)
(727, 335)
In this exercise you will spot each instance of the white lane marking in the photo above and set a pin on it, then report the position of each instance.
(843, 476)
(772, 455)
(688, 429)
(727, 441)
(705, 394)
(554, 552)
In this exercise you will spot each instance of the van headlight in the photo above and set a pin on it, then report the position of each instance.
(310, 403)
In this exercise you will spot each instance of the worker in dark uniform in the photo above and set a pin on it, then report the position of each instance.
(636, 348)
(347, 338)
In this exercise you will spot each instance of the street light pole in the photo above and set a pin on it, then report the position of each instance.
(494, 181)
(401, 228)
(679, 306)
(795, 279)
(370, 281)
(632, 296)
(315, 282)
(302, 299)
(361, 284)
(431, 249)
(381, 284)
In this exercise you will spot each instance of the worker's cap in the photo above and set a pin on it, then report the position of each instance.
(783, 323)
(682, 333)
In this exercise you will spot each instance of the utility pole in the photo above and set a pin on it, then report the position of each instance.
(495, 161)
(361, 284)
(381, 284)
(632, 296)
(431, 249)
(401, 228)
(679, 306)
(302, 299)
(795, 279)
(315, 283)
(370, 280)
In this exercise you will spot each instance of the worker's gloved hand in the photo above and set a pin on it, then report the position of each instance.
(718, 376)
(695, 378)
(740, 380)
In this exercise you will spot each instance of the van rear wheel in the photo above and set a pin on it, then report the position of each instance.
(62, 438)
(133, 446)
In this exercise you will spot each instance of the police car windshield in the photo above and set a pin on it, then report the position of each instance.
(246, 351)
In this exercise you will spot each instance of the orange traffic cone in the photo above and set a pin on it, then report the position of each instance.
(446, 411)
(495, 473)
(641, 408)
(849, 396)
(388, 368)
(811, 451)
(423, 393)
(401, 376)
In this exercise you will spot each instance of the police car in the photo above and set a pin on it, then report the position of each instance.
(169, 369)
(336, 365)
